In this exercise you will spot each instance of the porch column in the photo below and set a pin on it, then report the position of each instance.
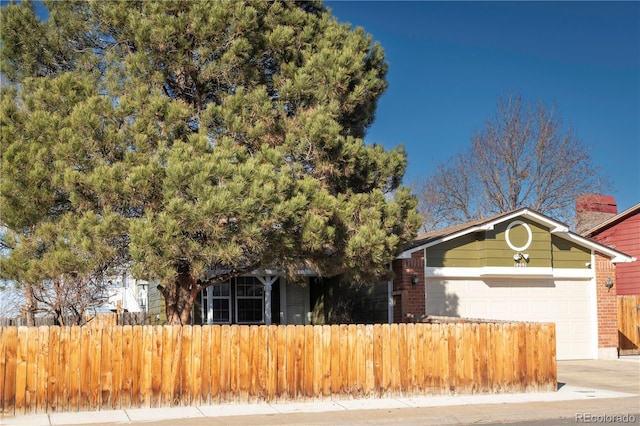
(210, 305)
(267, 282)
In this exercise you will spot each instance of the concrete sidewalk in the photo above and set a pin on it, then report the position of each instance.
(584, 387)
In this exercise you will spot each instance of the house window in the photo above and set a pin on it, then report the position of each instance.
(249, 301)
(217, 303)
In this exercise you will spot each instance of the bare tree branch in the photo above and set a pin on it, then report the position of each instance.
(522, 158)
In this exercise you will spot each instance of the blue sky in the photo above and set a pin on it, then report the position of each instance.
(451, 61)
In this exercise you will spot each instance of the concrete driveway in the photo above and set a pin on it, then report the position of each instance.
(588, 390)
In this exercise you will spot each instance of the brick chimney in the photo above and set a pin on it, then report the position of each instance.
(592, 210)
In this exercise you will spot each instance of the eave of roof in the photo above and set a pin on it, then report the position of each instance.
(481, 225)
(613, 220)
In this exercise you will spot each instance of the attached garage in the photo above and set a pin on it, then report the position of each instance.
(520, 266)
(569, 304)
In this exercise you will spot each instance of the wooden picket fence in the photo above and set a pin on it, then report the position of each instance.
(629, 324)
(67, 369)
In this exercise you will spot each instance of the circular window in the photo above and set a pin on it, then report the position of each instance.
(518, 236)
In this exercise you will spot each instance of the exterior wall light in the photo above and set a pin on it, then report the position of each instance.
(608, 283)
(414, 280)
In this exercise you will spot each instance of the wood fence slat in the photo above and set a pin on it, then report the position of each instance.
(216, 357)
(394, 359)
(196, 367)
(186, 365)
(451, 360)
(234, 363)
(468, 358)
(308, 361)
(42, 370)
(515, 359)
(522, 357)
(440, 381)
(156, 365)
(482, 351)
(225, 363)
(377, 358)
(258, 357)
(3, 365)
(10, 350)
(336, 376)
(136, 367)
(291, 385)
(146, 366)
(21, 369)
(460, 358)
(166, 386)
(116, 365)
(95, 362)
(300, 390)
(403, 358)
(500, 370)
(420, 346)
(253, 365)
(550, 379)
(84, 403)
(361, 364)
(511, 361)
(344, 359)
(106, 369)
(244, 364)
(369, 385)
(628, 324)
(177, 364)
(476, 380)
(271, 362)
(352, 359)
(531, 380)
(71, 349)
(280, 372)
(317, 361)
(327, 361)
(207, 353)
(127, 367)
(286, 361)
(430, 348)
(411, 366)
(32, 371)
(54, 401)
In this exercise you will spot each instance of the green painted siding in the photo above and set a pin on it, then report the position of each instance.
(460, 252)
(498, 252)
(490, 248)
(567, 254)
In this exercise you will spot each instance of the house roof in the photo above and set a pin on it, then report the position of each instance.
(613, 221)
(558, 228)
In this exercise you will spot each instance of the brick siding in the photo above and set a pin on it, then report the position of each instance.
(409, 299)
(607, 306)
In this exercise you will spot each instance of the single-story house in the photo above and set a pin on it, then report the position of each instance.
(520, 265)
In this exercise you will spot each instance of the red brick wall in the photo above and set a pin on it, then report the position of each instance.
(409, 299)
(607, 304)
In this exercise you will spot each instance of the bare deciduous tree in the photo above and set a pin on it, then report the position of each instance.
(522, 158)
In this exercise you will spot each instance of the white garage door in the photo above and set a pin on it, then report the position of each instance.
(569, 304)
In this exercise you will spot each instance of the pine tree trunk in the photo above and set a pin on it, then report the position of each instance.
(29, 306)
(180, 298)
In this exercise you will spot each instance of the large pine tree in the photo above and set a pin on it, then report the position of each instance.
(194, 141)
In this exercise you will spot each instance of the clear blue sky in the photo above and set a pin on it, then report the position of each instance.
(451, 61)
